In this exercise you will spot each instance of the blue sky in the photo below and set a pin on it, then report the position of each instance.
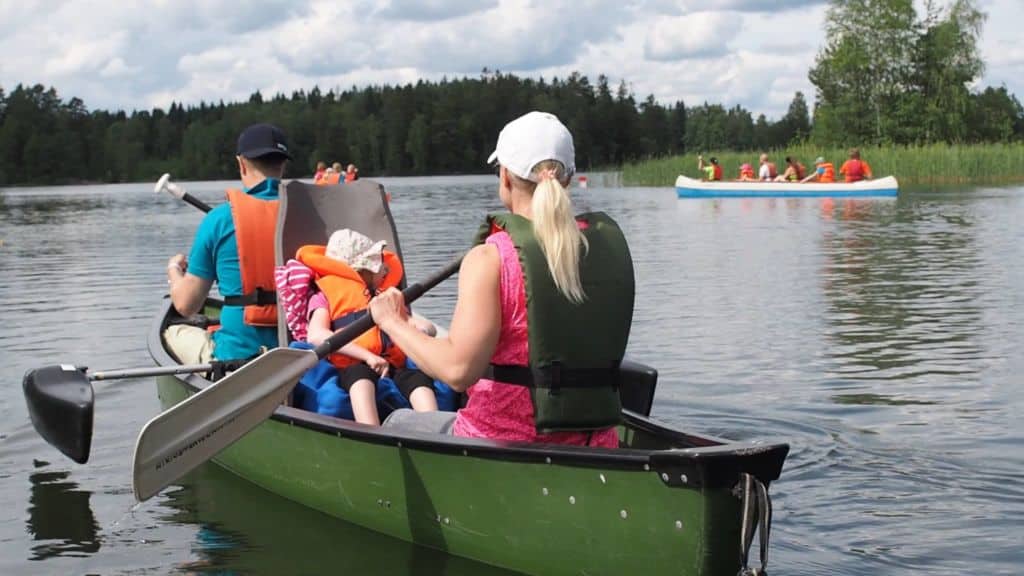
(136, 55)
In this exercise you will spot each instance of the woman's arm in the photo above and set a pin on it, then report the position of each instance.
(459, 359)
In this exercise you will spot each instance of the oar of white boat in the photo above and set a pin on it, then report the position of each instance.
(60, 400)
(164, 184)
(198, 428)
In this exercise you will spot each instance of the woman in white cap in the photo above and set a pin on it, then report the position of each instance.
(544, 308)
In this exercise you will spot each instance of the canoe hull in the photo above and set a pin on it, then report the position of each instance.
(691, 188)
(536, 518)
(664, 504)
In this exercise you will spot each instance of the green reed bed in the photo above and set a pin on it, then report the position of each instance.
(936, 164)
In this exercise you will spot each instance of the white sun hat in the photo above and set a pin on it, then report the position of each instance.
(356, 250)
(531, 139)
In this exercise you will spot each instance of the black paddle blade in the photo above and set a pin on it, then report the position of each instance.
(60, 403)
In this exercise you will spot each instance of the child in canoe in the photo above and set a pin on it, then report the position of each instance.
(349, 271)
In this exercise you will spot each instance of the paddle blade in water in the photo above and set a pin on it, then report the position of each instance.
(60, 403)
(195, 430)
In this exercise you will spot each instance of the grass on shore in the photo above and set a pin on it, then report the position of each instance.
(936, 164)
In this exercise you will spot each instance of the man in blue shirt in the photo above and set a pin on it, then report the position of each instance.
(262, 153)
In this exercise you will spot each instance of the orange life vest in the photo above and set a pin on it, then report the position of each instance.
(854, 170)
(348, 298)
(351, 176)
(830, 172)
(329, 179)
(255, 221)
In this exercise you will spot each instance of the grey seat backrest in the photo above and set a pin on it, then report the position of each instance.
(308, 214)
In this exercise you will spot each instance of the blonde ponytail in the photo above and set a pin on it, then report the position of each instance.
(556, 230)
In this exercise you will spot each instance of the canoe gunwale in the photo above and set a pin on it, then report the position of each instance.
(702, 462)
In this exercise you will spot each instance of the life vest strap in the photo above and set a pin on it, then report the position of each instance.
(554, 376)
(258, 297)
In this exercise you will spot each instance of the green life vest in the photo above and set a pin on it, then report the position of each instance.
(575, 349)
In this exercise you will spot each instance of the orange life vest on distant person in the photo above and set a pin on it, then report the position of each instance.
(351, 176)
(348, 298)
(255, 221)
(830, 172)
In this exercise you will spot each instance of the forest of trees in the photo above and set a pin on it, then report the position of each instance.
(889, 79)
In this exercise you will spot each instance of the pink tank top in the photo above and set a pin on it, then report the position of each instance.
(503, 411)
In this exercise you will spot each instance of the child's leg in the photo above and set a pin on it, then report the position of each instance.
(363, 393)
(418, 388)
(361, 384)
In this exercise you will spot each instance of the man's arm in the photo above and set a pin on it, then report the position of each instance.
(188, 291)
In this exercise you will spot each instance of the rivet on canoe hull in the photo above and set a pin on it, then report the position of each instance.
(399, 443)
(572, 499)
(647, 467)
(603, 481)
(438, 518)
(623, 514)
(683, 478)
(380, 502)
(447, 520)
(679, 524)
(544, 491)
(465, 453)
(547, 459)
(664, 476)
(387, 504)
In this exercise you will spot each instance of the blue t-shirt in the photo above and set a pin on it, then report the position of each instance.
(214, 257)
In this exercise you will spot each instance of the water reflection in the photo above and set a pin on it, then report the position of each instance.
(246, 530)
(60, 517)
(900, 294)
(28, 210)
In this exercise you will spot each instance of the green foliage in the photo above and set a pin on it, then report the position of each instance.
(886, 76)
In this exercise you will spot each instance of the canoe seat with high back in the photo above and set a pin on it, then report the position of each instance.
(308, 214)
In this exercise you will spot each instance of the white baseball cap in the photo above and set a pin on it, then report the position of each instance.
(356, 250)
(533, 138)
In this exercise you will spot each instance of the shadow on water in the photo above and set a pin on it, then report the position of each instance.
(243, 529)
(59, 516)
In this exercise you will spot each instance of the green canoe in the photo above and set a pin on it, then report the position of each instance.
(665, 502)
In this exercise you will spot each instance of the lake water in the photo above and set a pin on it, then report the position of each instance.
(881, 338)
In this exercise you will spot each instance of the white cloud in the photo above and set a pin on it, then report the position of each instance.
(138, 54)
(432, 10)
(698, 35)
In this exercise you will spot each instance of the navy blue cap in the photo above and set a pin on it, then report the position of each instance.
(261, 140)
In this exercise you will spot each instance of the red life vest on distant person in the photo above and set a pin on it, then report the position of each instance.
(348, 298)
(718, 172)
(255, 221)
(772, 171)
